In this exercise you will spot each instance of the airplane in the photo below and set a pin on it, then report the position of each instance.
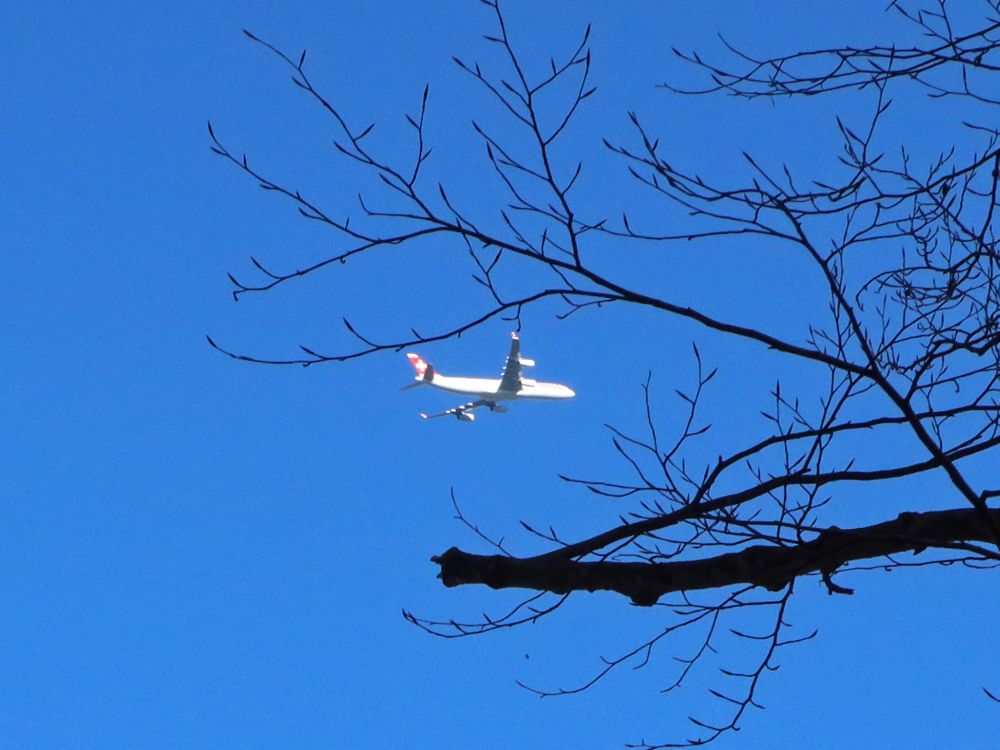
(511, 386)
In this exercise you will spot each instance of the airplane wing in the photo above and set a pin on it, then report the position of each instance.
(462, 412)
(510, 379)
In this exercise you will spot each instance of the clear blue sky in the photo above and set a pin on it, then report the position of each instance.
(197, 553)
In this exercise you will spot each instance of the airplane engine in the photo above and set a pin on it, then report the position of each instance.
(498, 408)
(464, 416)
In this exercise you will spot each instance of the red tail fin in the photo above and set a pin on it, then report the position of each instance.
(418, 364)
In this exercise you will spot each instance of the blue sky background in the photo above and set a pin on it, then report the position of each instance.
(200, 553)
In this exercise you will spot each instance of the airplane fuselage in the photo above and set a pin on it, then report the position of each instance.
(489, 388)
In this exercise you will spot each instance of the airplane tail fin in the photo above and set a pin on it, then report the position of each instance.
(425, 371)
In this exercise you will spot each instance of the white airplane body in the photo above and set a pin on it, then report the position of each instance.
(510, 386)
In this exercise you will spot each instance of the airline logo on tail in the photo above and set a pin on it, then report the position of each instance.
(418, 364)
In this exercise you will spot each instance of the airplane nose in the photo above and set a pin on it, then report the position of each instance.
(570, 392)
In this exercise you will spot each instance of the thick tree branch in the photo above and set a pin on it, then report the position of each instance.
(770, 567)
